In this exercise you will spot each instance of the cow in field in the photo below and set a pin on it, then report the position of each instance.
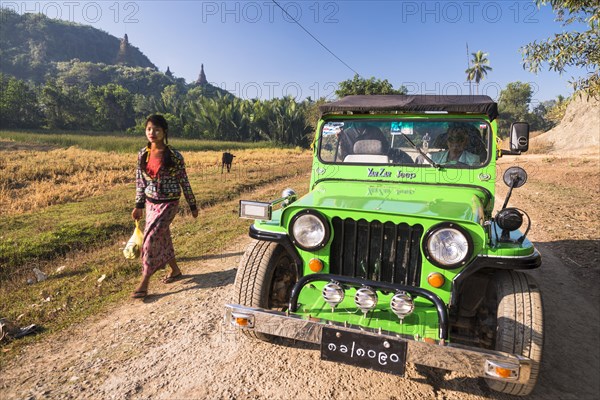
(226, 161)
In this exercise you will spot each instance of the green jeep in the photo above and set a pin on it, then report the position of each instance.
(396, 255)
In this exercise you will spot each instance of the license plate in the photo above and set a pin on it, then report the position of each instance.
(376, 353)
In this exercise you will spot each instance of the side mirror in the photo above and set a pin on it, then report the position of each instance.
(519, 136)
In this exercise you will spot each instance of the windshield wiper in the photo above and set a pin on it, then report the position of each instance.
(429, 160)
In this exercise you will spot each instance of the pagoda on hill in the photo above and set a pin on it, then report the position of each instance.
(123, 46)
(169, 73)
(123, 56)
(201, 81)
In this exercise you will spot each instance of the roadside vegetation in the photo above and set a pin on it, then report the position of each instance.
(66, 211)
(120, 143)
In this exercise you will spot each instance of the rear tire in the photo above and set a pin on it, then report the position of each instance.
(519, 324)
(264, 279)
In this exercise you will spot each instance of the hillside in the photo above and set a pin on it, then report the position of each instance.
(579, 130)
(37, 49)
(32, 44)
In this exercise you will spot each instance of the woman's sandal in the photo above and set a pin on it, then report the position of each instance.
(140, 294)
(171, 279)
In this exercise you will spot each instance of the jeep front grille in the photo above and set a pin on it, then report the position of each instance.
(383, 252)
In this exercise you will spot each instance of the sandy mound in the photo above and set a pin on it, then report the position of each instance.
(579, 130)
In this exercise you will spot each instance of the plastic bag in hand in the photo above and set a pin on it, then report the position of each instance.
(133, 248)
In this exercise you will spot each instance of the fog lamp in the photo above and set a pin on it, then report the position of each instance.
(365, 299)
(509, 219)
(333, 294)
(402, 304)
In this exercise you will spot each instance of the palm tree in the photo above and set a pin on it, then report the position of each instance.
(479, 68)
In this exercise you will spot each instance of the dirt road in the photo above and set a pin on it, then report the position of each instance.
(173, 346)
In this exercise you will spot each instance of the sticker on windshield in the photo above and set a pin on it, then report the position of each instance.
(402, 128)
(332, 128)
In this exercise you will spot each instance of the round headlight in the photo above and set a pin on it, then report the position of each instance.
(448, 246)
(309, 230)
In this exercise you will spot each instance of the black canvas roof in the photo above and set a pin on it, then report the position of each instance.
(417, 103)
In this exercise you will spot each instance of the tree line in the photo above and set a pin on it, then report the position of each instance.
(200, 113)
(191, 113)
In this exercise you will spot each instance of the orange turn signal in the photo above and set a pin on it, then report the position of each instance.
(315, 265)
(436, 279)
(242, 320)
(503, 372)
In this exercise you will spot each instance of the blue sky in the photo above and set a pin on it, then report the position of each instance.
(253, 49)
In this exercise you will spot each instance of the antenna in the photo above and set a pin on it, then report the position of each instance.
(469, 66)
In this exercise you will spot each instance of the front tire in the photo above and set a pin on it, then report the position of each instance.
(519, 324)
(264, 279)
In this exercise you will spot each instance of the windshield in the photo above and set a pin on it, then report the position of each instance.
(455, 143)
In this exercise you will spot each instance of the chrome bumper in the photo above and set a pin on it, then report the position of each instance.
(467, 360)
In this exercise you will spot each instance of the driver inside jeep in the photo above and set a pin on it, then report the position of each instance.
(457, 140)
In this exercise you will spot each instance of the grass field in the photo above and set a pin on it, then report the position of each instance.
(120, 143)
(67, 212)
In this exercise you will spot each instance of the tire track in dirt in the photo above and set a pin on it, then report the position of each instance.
(173, 345)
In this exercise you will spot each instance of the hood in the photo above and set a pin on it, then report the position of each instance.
(439, 202)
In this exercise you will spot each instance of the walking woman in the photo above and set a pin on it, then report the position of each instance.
(160, 179)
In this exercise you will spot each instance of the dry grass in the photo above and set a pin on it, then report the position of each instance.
(537, 145)
(31, 180)
(118, 143)
(540, 146)
(534, 134)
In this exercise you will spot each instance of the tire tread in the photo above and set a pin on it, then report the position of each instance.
(519, 296)
(250, 287)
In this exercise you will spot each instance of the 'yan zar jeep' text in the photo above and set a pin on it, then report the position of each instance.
(396, 255)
